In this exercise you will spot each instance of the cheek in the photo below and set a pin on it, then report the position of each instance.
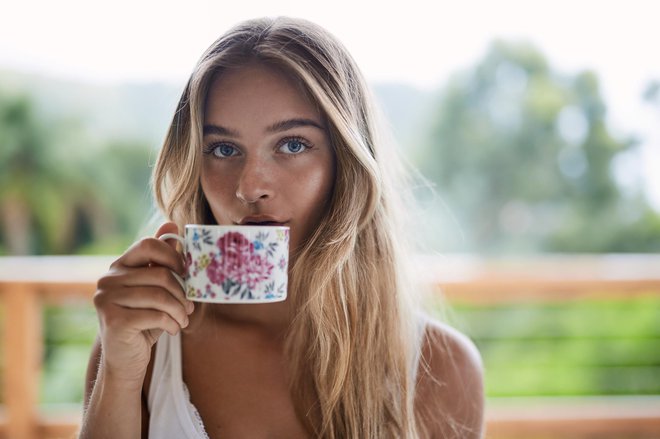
(325, 188)
(317, 189)
(215, 178)
(217, 193)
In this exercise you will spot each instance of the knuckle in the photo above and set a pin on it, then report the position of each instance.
(113, 320)
(100, 296)
(116, 263)
(103, 282)
(146, 245)
(105, 286)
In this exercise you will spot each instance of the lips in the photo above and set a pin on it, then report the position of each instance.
(261, 220)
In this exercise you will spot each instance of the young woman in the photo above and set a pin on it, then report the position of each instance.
(275, 126)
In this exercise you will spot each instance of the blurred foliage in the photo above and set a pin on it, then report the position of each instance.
(35, 187)
(62, 193)
(520, 156)
(68, 337)
(583, 347)
(523, 158)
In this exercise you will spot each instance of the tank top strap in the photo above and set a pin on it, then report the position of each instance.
(160, 366)
(171, 414)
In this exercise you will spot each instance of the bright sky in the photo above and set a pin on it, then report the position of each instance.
(412, 42)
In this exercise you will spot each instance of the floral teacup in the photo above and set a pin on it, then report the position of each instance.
(235, 264)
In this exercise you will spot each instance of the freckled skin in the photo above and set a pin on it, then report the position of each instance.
(261, 179)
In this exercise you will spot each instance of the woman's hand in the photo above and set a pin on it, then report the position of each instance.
(136, 301)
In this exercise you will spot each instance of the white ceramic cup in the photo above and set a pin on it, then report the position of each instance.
(234, 264)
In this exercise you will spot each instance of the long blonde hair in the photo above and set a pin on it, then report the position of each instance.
(352, 343)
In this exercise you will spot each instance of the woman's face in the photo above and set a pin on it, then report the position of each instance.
(267, 158)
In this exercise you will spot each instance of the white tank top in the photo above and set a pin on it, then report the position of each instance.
(171, 414)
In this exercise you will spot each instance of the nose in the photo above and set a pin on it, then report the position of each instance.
(255, 182)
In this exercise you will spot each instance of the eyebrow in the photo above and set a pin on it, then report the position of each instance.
(274, 128)
(219, 130)
(293, 123)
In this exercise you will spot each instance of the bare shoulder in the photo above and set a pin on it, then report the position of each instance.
(450, 387)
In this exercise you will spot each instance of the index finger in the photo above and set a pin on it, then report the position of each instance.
(155, 252)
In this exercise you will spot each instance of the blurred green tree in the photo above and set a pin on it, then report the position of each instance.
(523, 158)
(59, 192)
(121, 173)
(35, 195)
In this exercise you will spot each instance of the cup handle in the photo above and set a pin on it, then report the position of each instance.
(167, 236)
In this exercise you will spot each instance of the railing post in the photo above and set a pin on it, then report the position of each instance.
(23, 351)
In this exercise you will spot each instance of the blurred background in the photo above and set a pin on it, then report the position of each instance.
(537, 125)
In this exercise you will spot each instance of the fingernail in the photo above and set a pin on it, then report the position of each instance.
(190, 307)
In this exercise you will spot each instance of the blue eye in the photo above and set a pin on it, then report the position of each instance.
(293, 146)
(223, 150)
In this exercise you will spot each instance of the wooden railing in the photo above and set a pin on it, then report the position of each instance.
(27, 284)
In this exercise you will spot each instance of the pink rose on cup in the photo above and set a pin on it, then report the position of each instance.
(240, 264)
(259, 270)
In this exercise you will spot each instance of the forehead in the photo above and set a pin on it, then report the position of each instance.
(256, 92)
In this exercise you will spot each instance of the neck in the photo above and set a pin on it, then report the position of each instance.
(273, 318)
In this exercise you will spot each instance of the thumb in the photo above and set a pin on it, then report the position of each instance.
(168, 227)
